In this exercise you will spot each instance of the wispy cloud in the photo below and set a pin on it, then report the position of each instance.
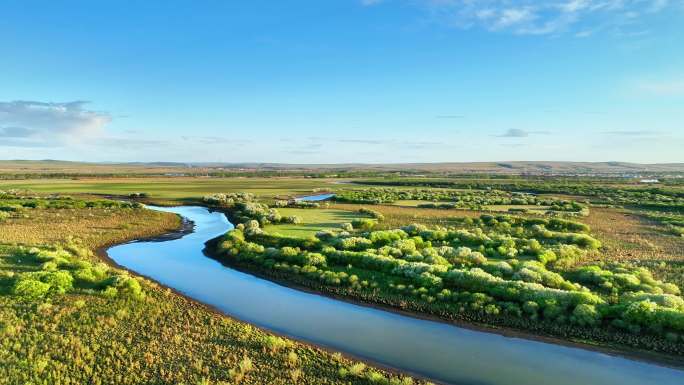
(518, 133)
(66, 124)
(515, 133)
(581, 18)
(38, 123)
(512, 16)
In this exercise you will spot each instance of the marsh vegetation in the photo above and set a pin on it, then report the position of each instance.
(583, 260)
(539, 273)
(67, 317)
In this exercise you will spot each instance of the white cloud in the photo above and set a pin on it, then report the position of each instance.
(37, 123)
(69, 125)
(513, 16)
(658, 5)
(515, 133)
(528, 17)
(575, 6)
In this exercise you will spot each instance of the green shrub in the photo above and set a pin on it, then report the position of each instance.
(131, 288)
(30, 288)
(363, 224)
(586, 315)
(60, 281)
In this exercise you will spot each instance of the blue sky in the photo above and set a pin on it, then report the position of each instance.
(342, 81)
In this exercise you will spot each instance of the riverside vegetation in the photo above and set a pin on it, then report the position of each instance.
(463, 199)
(533, 273)
(66, 317)
(669, 198)
(627, 268)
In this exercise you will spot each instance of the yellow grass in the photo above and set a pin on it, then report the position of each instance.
(94, 227)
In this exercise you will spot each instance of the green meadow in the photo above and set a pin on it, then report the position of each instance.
(180, 188)
(313, 221)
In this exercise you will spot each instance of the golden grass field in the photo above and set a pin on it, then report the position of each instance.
(628, 236)
(93, 227)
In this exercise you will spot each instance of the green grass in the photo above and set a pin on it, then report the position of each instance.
(313, 220)
(409, 203)
(176, 188)
(529, 208)
(90, 334)
(87, 337)
(497, 208)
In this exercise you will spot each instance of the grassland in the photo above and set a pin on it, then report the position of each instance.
(27, 167)
(54, 167)
(492, 208)
(397, 216)
(91, 227)
(96, 324)
(627, 234)
(179, 189)
(313, 220)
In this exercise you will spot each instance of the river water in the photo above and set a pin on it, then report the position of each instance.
(435, 350)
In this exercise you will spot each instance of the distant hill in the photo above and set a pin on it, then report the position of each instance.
(515, 167)
(28, 167)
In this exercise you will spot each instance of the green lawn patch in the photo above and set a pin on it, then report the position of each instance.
(313, 220)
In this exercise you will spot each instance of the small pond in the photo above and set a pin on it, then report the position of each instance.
(315, 198)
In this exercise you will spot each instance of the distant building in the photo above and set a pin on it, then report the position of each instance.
(649, 181)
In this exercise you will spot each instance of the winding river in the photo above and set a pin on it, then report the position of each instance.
(435, 350)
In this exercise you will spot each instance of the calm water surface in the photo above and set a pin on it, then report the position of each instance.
(315, 198)
(442, 352)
